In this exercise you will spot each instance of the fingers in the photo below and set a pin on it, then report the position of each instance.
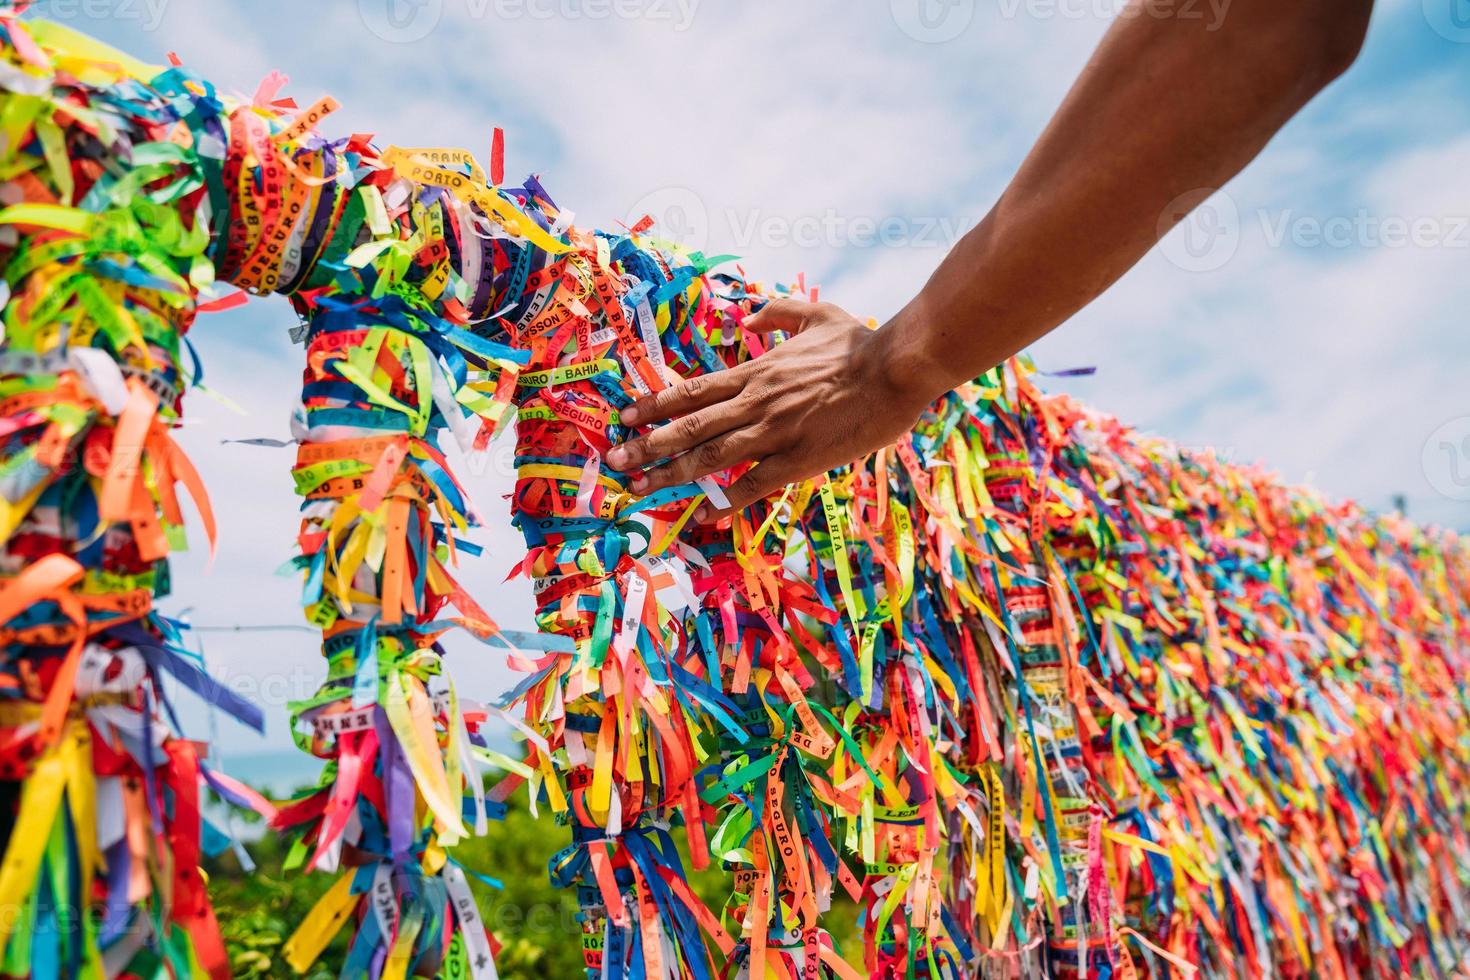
(688, 396)
(712, 456)
(766, 478)
(680, 436)
(788, 315)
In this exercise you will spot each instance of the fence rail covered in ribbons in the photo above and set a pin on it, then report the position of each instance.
(1043, 695)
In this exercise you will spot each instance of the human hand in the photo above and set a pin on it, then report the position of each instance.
(823, 398)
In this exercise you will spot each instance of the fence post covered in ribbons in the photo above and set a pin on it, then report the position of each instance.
(389, 259)
(693, 638)
(642, 712)
(106, 238)
(377, 547)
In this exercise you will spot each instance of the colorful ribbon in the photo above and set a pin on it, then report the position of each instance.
(1043, 695)
(105, 242)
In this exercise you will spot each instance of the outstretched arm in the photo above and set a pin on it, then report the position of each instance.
(1167, 110)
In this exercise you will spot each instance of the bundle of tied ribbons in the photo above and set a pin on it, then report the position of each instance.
(1040, 694)
(106, 243)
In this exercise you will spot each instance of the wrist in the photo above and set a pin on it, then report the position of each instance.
(906, 363)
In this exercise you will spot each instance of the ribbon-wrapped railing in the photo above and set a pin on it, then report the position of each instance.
(1042, 695)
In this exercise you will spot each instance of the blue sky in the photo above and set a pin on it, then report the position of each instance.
(1311, 317)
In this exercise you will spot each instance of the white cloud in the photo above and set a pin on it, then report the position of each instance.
(1330, 364)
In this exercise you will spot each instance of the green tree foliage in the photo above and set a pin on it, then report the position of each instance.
(535, 923)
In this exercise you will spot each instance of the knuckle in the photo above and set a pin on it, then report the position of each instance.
(745, 488)
(676, 473)
(758, 393)
(709, 454)
(695, 386)
(687, 428)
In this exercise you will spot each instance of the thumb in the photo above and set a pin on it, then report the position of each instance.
(787, 315)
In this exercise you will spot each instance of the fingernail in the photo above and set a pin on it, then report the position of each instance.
(640, 482)
(618, 457)
(702, 514)
(629, 415)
